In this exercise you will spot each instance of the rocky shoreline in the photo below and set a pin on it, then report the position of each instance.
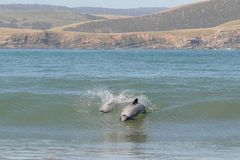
(184, 39)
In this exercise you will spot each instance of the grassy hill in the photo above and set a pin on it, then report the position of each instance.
(83, 10)
(40, 16)
(124, 12)
(226, 35)
(231, 25)
(41, 20)
(36, 16)
(209, 24)
(204, 14)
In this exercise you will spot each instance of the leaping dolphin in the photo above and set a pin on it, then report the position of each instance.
(107, 107)
(133, 110)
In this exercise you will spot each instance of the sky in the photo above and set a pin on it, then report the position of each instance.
(104, 3)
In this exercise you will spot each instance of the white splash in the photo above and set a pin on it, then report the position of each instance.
(109, 100)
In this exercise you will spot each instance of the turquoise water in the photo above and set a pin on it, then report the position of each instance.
(49, 101)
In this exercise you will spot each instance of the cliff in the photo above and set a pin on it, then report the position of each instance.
(224, 36)
(206, 24)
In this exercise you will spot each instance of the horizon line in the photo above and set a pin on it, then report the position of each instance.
(78, 6)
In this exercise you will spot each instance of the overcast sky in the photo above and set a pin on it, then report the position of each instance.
(104, 3)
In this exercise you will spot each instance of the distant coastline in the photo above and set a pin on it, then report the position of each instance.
(213, 24)
(212, 38)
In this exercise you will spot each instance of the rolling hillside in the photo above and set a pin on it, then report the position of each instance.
(23, 16)
(40, 16)
(199, 15)
(224, 36)
(124, 12)
(210, 24)
(41, 20)
(83, 10)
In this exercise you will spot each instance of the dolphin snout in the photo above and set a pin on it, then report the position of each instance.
(104, 110)
(101, 111)
(123, 118)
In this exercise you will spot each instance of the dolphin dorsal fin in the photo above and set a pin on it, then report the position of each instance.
(135, 101)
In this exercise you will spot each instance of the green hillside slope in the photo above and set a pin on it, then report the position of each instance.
(34, 16)
(199, 15)
(40, 19)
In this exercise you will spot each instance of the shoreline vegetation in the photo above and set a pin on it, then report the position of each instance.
(99, 31)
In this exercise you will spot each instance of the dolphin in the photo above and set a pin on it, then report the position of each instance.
(133, 110)
(107, 107)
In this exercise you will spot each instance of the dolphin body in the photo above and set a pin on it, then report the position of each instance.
(107, 107)
(131, 111)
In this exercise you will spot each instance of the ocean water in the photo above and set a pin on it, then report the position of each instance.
(49, 101)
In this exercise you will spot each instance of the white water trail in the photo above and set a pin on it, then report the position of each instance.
(120, 99)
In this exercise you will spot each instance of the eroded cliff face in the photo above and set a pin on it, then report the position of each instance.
(218, 39)
(31, 40)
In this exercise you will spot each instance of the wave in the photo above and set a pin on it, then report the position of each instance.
(28, 109)
(61, 110)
